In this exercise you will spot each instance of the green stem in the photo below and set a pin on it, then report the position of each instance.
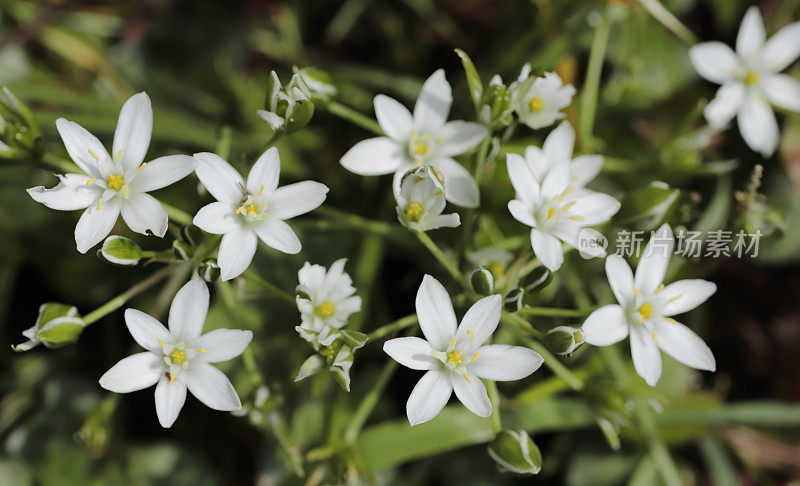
(368, 403)
(494, 398)
(286, 296)
(380, 228)
(591, 86)
(657, 10)
(392, 327)
(443, 259)
(552, 312)
(124, 297)
(346, 113)
(177, 215)
(517, 322)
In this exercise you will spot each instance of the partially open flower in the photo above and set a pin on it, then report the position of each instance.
(421, 201)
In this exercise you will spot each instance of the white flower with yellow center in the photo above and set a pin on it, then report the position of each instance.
(538, 101)
(750, 80)
(426, 138)
(179, 358)
(454, 357)
(646, 308)
(325, 299)
(556, 211)
(114, 184)
(421, 201)
(247, 211)
(495, 259)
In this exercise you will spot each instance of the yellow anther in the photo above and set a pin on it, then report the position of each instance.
(119, 154)
(496, 269)
(576, 218)
(671, 321)
(660, 288)
(171, 377)
(536, 104)
(99, 203)
(751, 78)
(551, 213)
(94, 155)
(645, 311)
(455, 357)
(419, 148)
(261, 190)
(325, 309)
(177, 356)
(139, 169)
(161, 343)
(675, 298)
(414, 211)
(636, 291)
(419, 162)
(655, 337)
(466, 378)
(471, 334)
(475, 357)
(201, 350)
(125, 192)
(250, 209)
(90, 181)
(115, 181)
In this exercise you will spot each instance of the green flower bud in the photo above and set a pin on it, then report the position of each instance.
(287, 109)
(495, 105)
(192, 234)
(316, 83)
(563, 340)
(182, 250)
(299, 114)
(515, 300)
(56, 325)
(482, 281)
(19, 133)
(515, 452)
(119, 250)
(539, 278)
(209, 270)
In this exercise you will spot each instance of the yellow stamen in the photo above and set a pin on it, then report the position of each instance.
(171, 378)
(466, 378)
(636, 291)
(90, 181)
(550, 213)
(536, 104)
(99, 203)
(414, 211)
(115, 181)
(475, 357)
(94, 155)
(645, 311)
(671, 321)
(119, 154)
(125, 192)
(455, 358)
(201, 350)
(177, 356)
(576, 218)
(471, 334)
(660, 288)
(675, 298)
(655, 337)
(420, 148)
(325, 309)
(139, 169)
(161, 343)
(261, 190)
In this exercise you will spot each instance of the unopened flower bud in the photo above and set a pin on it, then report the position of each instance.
(563, 340)
(192, 234)
(56, 325)
(182, 250)
(120, 251)
(318, 84)
(209, 270)
(515, 300)
(482, 281)
(515, 452)
(539, 278)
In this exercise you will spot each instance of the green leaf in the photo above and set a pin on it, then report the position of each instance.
(473, 79)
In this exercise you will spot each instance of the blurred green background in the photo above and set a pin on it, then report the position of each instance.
(205, 65)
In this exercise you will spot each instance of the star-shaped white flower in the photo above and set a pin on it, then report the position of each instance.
(421, 201)
(426, 138)
(557, 148)
(645, 309)
(118, 184)
(326, 299)
(179, 358)
(750, 80)
(538, 101)
(556, 211)
(455, 358)
(247, 211)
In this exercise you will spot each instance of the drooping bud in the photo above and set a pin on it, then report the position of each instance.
(515, 452)
(515, 300)
(287, 109)
(119, 250)
(539, 278)
(563, 340)
(182, 250)
(209, 270)
(482, 281)
(56, 325)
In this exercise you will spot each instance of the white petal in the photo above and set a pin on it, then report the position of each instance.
(219, 178)
(394, 118)
(645, 354)
(480, 321)
(684, 295)
(620, 278)
(279, 235)
(521, 212)
(136, 372)
(428, 397)
(782, 48)
(433, 104)
(274, 121)
(559, 143)
(681, 343)
(236, 251)
(445, 221)
(263, 176)
(72, 192)
(187, 314)
(472, 394)
(142, 213)
(757, 124)
(458, 137)
(435, 313)
(607, 325)
(523, 180)
(222, 344)
(296, 199)
(584, 169)
(134, 128)
(217, 218)
(782, 90)
(714, 61)
(595, 208)
(727, 102)
(162, 172)
(502, 362)
(459, 186)
(212, 387)
(95, 224)
(413, 352)
(374, 156)
(655, 258)
(547, 249)
(557, 180)
(83, 147)
(147, 330)
(751, 34)
(170, 398)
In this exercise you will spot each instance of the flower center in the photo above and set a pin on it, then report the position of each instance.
(645, 311)
(117, 183)
(454, 358)
(554, 210)
(177, 356)
(751, 78)
(252, 209)
(414, 212)
(536, 104)
(421, 146)
(325, 309)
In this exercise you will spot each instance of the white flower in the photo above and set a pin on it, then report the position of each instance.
(247, 211)
(454, 358)
(556, 211)
(116, 185)
(493, 258)
(179, 358)
(557, 148)
(538, 101)
(420, 201)
(426, 138)
(645, 309)
(330, 300)
(750, 80)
